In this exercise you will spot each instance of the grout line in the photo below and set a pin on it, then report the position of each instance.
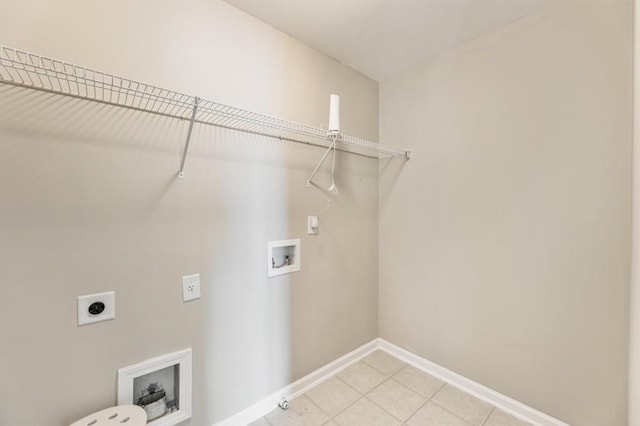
(436, 392)
(316, 404)
(359, 393)
(451, 412)
(488, 415)
(377, 386)
(347, 407)
(360, 396)
(405, 366)
(416, 412)
(380, 371)
(300, 387)
(327, 422)
(364, 395)
(438, 389)
(402, 421)
(383, 409)
(411, 390)
(387, 378)
(428, 398)
(346, 383)
(494, 399)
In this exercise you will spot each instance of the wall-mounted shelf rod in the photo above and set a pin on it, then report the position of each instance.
(35, 72)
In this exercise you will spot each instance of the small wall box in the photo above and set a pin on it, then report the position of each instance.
(283, 257)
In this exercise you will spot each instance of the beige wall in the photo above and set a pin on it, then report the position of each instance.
(505, 241)
(89, 203)
(634, 328)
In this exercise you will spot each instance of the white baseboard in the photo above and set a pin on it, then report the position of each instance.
(503, 402)
(299, 387)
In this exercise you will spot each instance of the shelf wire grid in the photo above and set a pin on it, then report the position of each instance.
(32, 71)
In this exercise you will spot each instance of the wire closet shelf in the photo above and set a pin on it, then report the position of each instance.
(32, 71)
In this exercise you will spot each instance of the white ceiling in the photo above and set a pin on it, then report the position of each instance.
(380, 38)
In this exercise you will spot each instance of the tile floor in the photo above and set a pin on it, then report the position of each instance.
(382, 390)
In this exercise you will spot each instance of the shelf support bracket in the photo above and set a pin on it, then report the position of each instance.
(196, 101)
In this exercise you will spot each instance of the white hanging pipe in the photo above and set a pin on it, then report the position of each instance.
(324, 157)
(334, 115)
(333, 133)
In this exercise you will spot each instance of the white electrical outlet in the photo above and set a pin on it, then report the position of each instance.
(190, 287)
(96, 307)
(312, 225)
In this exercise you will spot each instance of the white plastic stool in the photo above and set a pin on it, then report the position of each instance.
(121, 415)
